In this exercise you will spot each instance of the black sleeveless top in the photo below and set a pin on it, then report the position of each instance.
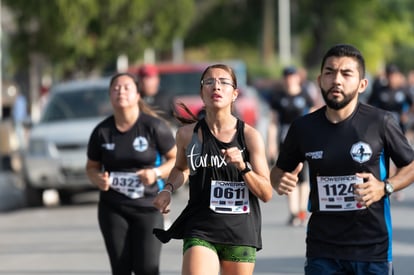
(198, 219)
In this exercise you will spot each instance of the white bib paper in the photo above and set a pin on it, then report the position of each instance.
(337, 193)
(229, 197)
(126, 183)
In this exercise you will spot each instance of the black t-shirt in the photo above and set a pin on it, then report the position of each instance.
(140, 147)
(288, 108)
(397, 101)
(364, 142)
(163, 103)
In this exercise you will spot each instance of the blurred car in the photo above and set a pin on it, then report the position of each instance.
(181, 83)
(11, 186)
(56, 154)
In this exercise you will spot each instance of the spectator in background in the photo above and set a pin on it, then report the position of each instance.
(44, 91)
(287, 104)
(160, 101)
(20, 116)
(410, 82)
(410, 87)
(391, 94)
(149, 84)
(310, 87)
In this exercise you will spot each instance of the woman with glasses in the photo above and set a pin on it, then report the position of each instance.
(225, 162)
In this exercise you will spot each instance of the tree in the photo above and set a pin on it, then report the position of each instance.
(88, 35)
(377, 27)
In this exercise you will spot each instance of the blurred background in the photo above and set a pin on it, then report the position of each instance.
(45, 43)
(56, 57)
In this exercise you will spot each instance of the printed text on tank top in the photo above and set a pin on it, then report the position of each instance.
(196, 160)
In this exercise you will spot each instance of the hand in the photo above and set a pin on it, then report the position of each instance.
(102, 181)
(162, 202)
(370, 191)
(234, 155)
(289, 180)
(147, 176)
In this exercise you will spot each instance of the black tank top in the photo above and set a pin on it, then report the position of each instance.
(197, 219)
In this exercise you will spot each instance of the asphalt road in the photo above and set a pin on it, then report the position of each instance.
(58, 240)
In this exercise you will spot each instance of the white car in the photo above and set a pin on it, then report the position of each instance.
(56, 154)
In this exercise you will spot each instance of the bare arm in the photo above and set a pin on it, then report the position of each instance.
(179, 173)
(285, 182)
(372, 190)
(96, 176)
(149, 176)
(258, 179)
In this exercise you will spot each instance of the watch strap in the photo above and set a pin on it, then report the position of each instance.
(246, 169)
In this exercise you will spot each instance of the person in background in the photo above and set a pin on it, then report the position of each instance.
(149, 85)
(225, 161)
(410, 82)
(393, 95)
(287, 104)
(20, 116)
(348, 146)
(161, 102)
(122, 153)
(46, 83)
(310, 87)
(410, 126)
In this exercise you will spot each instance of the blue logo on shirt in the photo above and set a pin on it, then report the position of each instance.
(361, 152)
(140, 144)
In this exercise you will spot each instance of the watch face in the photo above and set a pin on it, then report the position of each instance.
(389, 188)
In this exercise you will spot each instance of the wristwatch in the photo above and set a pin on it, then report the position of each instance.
(247, 169)
(388, 187)
(158, 174)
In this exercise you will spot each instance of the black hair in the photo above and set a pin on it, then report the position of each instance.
(196, 117)
(224, 67)
(346, 50)
(144, 107)
(132, 76)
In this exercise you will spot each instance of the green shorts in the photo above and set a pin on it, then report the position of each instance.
(225, 252)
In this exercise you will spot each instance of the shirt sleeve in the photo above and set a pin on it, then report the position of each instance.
(164, 137)
(94, 152)
(290, 154)
(396, 144)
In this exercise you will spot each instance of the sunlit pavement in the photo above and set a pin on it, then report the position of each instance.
(284, 246)
(67, 241)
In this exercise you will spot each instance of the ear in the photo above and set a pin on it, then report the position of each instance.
(235, 94)
(363, 84)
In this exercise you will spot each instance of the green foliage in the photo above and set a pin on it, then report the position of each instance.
(87, 35)
(376, 27)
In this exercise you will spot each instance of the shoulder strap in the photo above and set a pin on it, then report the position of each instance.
(197, 126)
(241, 139)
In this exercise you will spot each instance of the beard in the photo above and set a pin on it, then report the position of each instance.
(335, 103)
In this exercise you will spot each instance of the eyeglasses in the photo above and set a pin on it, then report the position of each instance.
(220, 81)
